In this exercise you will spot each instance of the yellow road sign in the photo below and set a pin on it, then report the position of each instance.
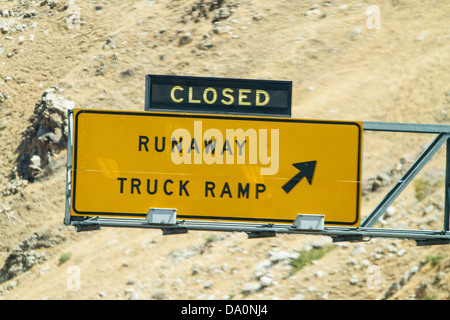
(215, 168)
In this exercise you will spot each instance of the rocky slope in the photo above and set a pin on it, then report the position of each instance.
(95, 54)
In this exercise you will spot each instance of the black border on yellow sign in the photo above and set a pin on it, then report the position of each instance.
(198, 116)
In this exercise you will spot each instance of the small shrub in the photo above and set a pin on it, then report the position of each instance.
(434, 260)
(307, 256)
(423, 188)
(64, 257)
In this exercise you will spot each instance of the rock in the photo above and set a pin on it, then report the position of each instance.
(206, 297)
(204, 45)
(50, 3)
(377, 256)
(257, 16)
(390, 211)
(18, 262)
(298, 296)
(5, 12)
(422, 37)
(355, 32)
(354, 280)
(30, 14)
(439, 276)
(129, 291)
(250, 287)
(262, 269)
(25, 255)
(222, 29)
(127, 73)
(365, 262)
(401, 252)
(185, 39)
(352, 262)
(358, 249)
(19, 28)
(313, 10)
(404, 279)
(276, 256)
(195, 269)
(110, 43)
(175, 256)
(266, 281)
(35, 162)
(34, 171)
(392, 290)
(428, 209)
(391, 248)
(421, 290)
(159, 295)
(375, 184)
(312, 289)
(45, 136)
(135, 296)
(221, 14)
(319, 273)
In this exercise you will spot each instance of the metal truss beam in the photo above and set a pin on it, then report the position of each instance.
(406, 179)
(254, 230)
(406, 127)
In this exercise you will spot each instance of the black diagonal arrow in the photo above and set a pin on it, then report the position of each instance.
(306, 171)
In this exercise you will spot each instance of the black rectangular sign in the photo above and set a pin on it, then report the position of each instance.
(218, 95)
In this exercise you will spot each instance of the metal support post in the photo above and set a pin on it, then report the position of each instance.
(447, 189)
(69, 168)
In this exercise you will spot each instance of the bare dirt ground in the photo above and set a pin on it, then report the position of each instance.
(341, 68)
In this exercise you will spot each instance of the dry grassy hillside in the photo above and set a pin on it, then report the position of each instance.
(341, 68)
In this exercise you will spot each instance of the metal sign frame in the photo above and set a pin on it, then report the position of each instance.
(258, 230)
